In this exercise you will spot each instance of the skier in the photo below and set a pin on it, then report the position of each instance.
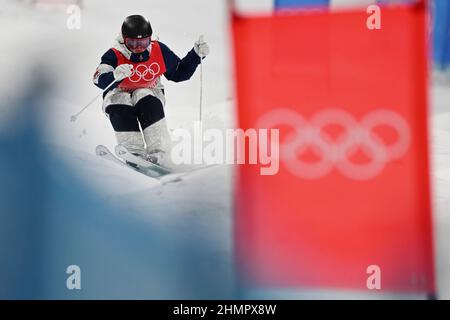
(136, 63)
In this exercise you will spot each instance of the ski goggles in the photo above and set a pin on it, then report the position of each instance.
(136, 44)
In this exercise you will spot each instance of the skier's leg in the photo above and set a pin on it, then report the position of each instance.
(149, 104)
(119, 108)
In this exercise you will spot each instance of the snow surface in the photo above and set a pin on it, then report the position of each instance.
(71, 56)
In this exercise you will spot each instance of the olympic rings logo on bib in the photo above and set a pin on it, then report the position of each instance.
(336, 153)
(144, 72)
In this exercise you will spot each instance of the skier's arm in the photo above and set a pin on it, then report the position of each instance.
(179, 69)
(104, 75)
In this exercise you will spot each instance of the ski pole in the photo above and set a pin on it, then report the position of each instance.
(73, 118)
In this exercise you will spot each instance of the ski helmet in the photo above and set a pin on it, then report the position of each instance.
(136, 27)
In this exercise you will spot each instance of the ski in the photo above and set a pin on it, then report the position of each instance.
(103, 152)
(148, 168)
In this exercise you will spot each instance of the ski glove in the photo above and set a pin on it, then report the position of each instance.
(123, 71)
(201, 48)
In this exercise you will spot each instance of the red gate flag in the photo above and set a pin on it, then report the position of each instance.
(350, 205)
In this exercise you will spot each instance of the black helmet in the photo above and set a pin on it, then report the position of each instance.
(136, 26)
